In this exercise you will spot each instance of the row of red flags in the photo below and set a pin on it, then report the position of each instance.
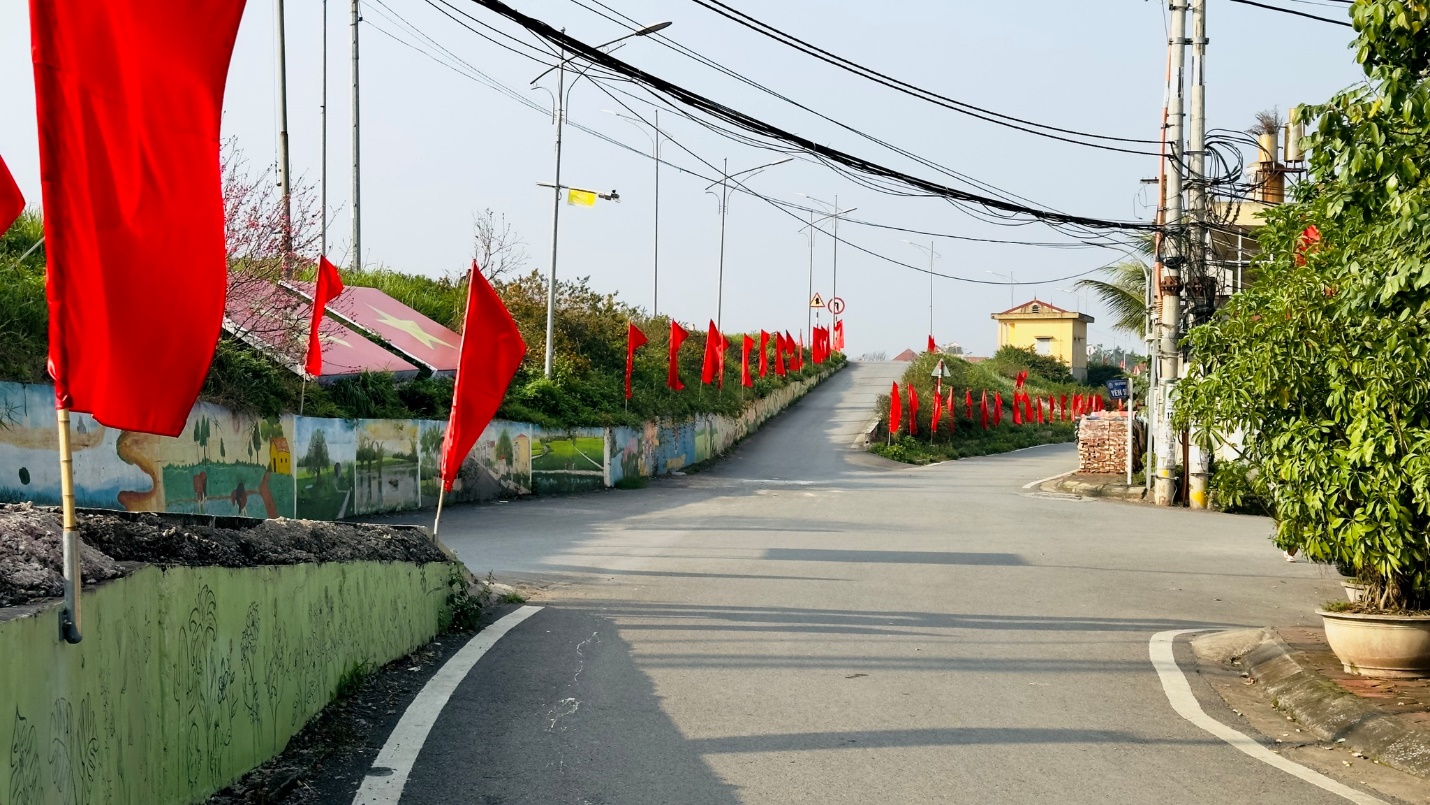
(1027, 409)
(788, 353)
(129, 96)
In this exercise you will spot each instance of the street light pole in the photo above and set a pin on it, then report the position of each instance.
(724, 183)
(932, 254)
(655, 155)
(284, 179)
(1012, 287)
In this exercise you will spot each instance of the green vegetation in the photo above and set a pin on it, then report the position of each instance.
(1323, 363)
(960, 437)
(24, 315)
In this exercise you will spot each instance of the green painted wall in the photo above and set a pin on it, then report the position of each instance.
(189, 677)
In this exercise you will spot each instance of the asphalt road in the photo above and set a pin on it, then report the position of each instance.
(808, 623)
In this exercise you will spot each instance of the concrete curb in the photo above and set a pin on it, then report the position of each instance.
(1111, 491)
(1325, 709)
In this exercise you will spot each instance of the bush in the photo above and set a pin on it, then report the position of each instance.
(1009, 361)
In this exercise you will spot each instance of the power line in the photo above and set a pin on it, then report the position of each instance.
(1293, 12)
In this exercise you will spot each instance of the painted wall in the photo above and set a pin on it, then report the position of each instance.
(189, 677)
(328, 469)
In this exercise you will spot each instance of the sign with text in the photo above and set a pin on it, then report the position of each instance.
(1117, 388)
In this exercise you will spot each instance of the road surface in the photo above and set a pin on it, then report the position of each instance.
(805, 622)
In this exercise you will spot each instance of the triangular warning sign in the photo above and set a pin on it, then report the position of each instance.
(817, 301)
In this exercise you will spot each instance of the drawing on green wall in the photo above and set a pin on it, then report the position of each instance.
(325, 464)
(387, 466)
(568, 461)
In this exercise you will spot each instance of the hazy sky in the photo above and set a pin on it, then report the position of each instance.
(438, 146)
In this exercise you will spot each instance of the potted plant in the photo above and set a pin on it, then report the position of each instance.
(1322, 360)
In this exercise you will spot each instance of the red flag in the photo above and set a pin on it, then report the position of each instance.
(983, 408)
(968, 405)
(1077, 406)
(712, 346)
(998, 410)
(1310, 241)
(1017, 408)
(491, 351)
(1097, 402)
(12, 202)
(1119, 405)
(913, 410)
(796, 352)
(1038, 408)
(952, 405)
(1028, 404)
(934, 414)
(839, 334)
(1019, 379)
(932, 346)
(764, 352)
(721, 349)
(1063, 407)
(635, 339)
(677, 337)
(329, 286)
(129, 95)
(896, 412)
(745, 379)
(799, 352)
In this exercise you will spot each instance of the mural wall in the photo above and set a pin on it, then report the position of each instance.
(327, 469)
(171, 695)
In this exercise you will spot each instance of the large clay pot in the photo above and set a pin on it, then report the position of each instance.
(1355, 591)
(1383, 646)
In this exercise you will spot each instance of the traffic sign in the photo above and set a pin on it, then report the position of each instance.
(1117, 388)
(836, 306)
(940, 371)
(817, 301)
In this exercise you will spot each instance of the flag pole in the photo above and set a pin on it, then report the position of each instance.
(441, 496)
(452, 409)
(73, 575)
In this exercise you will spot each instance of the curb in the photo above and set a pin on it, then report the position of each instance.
(1325, 709)
(1065, 485)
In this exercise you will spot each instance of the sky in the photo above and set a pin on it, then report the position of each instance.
(439, 146)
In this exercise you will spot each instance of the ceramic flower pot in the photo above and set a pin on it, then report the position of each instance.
(1355, 591)
(1383, 646)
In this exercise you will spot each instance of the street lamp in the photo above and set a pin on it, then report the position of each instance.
(1011, 287)
(932, 254)
(812, 227)
(559, 102)
(655, 156)
(1076, 294)
(724, 197)
(835, 213)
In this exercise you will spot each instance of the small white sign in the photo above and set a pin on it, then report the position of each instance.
(836, 305)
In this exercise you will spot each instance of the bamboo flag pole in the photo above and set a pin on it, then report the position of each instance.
(441, 496)
(73, 572)
(446, 434)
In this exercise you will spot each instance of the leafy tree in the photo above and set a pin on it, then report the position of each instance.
(317, 456)
(1324, 363)
(1124, 292)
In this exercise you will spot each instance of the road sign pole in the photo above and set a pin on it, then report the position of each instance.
(1130, 398)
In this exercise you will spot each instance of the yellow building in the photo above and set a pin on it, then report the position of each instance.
(1047, 330)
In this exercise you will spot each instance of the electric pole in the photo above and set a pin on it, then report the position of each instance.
(323, 170)
(284, 183)
(1198, 459)
(1170, 288)
(357, 182)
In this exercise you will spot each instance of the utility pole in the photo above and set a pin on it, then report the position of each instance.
(1170, 288)
(357, 182)
(655, 250)
(834, 291)
(809, 311)
(555, 213)
(1198, 459)
(284, 183)
(720, 281)
(323, 170)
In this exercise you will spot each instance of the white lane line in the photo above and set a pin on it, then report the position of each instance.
(1179, 693)
(384, 782)
(1042, 481)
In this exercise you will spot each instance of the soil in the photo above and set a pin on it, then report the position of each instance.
(117, 543)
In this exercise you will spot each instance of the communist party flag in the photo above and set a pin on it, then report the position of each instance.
(129, 95)
(968, 404)
(708, 367)
(839, 334)
(1017, 410)
(677, 337)
(764, 353)
(635, 339)
(896, 410)
(329, 286)
(913, 410)
(489, 355)
(983, 408)
(745, 379)
(12, 202)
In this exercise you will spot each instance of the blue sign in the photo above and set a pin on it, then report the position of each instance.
(1117, 388)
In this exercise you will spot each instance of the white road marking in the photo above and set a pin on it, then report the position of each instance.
(1179, 693)
(384, 783)
(1042, 481)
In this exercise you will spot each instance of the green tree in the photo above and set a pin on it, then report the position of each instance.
(317, 456)
(1124, 292)
(1323, 363)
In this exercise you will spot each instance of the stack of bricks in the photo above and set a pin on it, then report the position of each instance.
(1102, 443)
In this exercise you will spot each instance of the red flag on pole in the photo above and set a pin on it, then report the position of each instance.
(12, 202)
(745, 379)
(677, 337)
(799, 352)
(635, 339)
(952, 405)
(998, 410)
(129, 95)
(796, 352)
(764, 353)
(721, 349)
(1017, 410)
(712, 347)
(933, 347)
(330, 284)
(1063, 407)
(839, 334)
(1029, 415)
(935, 412)
(1077, 406)
(913, 410)
(968, 404)
(1038, 409)
(896, 410)
(983, 408)
(490, 353)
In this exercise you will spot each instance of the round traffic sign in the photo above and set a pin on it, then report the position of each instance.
(836, 305)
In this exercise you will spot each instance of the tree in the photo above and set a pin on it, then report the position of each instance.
(497, 249)
(1323, 363)
(1124, 292)
(317, 456)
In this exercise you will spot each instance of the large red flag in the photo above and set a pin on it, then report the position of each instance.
(745, 379)
(1038, 408)
(710, 366)
(913, 410)
(764, 352)
(12, 201)
(491, 351)
(635, 339)
(998, 409)
(983, 408)
(1017, 411)
(968, 404)
(1063, 407)
(934, 414)
(839, 334)
(896, 410)
(677, 337)
(796, 352)
(779, 355)
(330, 284)
(129, 94)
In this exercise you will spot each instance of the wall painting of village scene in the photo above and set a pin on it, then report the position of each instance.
(568, 461)
(325, 461)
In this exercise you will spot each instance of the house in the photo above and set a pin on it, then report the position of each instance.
(280, 460)
(1047, 330)
(906, 356)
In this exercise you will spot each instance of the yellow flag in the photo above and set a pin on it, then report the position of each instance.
(580, 198)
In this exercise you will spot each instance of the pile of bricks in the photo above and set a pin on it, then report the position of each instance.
(1102, 443)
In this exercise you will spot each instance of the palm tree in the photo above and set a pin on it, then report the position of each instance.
(1124, 292)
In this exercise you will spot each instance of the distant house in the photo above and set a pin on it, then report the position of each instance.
(280, 461)
(906, 356)
(1047, 330)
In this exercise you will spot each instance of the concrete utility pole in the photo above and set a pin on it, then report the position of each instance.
(1164, 489)
(357, 181)
(323, 171)
(1198, 459)
(284, 183)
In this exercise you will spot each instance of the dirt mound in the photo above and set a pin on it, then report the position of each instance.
(116, 542)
